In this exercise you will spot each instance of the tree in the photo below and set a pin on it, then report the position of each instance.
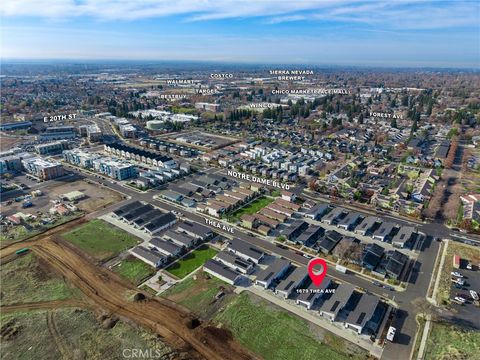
(312, 185)
(393, 123)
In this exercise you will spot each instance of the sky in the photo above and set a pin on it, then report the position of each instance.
(389, 33)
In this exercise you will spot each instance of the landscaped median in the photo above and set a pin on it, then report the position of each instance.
(191, 261)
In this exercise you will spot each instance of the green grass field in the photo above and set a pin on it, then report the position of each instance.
(29, 279)
(133, 269)
(192, 261)
(252, 207)
(447, 341)
(275, 334)
(101, 239)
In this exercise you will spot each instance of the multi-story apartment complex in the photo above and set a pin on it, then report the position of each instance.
(52, 148)
(117, 169)
(58, 133)
(92, 132)
(43, 169)
(112, 167)
(80, 158)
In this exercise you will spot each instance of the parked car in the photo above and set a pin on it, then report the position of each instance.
(469, 266)
(457, 274)
(376, 283)
(460, 299)
(474, 295)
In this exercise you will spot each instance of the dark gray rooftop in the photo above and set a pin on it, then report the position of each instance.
(144, 219)
(246, 249)
(272, 270)
(167, 246)
(148, 254)
(363, 311)
(385, 229)
(220, 269)
(160, 221)
(179, 238)
(367, 223)
(309, 295)
(122, 210)
(338, 299)
(404, 234)
(296, 276)
(235, 260)
(137, 212)
(194, 228)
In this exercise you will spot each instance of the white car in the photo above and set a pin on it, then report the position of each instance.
(460, 299)
(457, 274)
(474, 295)
(469, 266)
(459, 281)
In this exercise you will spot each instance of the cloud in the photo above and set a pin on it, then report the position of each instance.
(411, 14)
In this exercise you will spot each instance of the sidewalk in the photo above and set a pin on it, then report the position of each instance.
(423, 342)
(323, 323)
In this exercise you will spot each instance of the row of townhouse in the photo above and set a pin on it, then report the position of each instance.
(140, 155)
(358, 311)
(237, 260)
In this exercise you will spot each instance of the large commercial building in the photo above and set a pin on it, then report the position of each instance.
(207, 106)
(43, 169)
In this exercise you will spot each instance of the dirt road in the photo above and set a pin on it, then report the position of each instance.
(174, 323)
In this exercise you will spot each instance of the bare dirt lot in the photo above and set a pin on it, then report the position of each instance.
(74, 333)
(96, 197)
(6, 142)
(175, 324)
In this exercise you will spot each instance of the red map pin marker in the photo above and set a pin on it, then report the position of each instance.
(317, 277)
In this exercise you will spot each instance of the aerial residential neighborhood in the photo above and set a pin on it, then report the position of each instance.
(303, 199)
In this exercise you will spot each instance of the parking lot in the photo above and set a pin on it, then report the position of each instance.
(472, 282)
